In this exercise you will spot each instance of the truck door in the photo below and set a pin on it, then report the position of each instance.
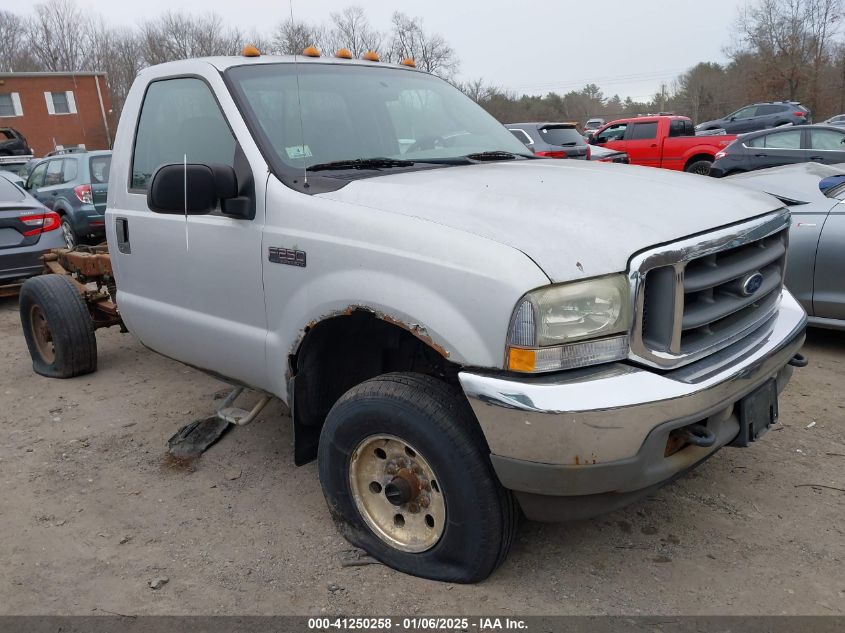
(642, 144)
(829, 283)
(612, 137)
(188, 287)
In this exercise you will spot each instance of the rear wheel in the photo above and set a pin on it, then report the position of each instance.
(57, 327)
(68, 233)
(700, 167)
(407, 477)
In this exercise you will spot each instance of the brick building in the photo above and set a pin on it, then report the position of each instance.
(52, 109)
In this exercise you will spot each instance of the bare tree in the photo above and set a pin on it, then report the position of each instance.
(118, 53)
(53, 35)
(182, 36)
(351, 29)
(791, 39)
(14, 53)
(291, 38)
(477, 89)
(431, 52)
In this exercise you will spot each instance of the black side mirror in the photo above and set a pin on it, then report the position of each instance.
(206, 186)
(732, 119)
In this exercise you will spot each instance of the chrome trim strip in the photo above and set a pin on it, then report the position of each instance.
(678, 254)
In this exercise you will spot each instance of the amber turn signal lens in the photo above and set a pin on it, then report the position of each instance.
(311, 51)
(371, 56)
(344, 53)
(250, 51)
(409, 62)
(521, 359)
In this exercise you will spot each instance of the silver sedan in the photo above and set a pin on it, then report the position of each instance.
(816, 271)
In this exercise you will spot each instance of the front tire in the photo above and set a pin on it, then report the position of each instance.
(700, 167)
(57, 327)
(407, 477)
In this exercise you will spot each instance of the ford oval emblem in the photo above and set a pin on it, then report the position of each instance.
(751, 284)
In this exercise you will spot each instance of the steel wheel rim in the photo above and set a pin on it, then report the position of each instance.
(41, 334)
(67, 233)
(382, 465)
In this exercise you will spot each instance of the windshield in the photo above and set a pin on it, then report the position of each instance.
(351, 112)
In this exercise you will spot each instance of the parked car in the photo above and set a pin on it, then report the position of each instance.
(74, 185)
(27, 229)
(760, 116)
(816, 272)
(839, 119)
(460, 331)
(16, 164)
(592, 125)
(551, 140)
(13, 178)
(771, 148)
(13, 143)
(662, 141)
(606, 155)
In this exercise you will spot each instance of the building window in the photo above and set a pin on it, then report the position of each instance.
(60, 102)
(10, 104)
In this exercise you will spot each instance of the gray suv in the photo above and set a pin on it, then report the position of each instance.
(74, 185)
(760, 116)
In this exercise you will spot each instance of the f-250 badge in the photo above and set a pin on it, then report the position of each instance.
(287, 256)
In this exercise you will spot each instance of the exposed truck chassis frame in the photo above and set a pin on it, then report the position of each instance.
(86, 265)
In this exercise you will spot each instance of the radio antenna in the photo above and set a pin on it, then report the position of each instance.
(298, 97)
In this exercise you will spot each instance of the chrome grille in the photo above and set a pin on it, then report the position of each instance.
(700, 295)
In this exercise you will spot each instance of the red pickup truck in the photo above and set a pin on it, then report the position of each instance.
(663, 141)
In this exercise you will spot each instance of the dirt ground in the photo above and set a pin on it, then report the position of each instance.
(91, 511)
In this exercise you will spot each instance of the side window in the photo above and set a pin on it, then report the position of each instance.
(613, 133)
(69, 170)
(827, 140)
(54, 173)
(522, 136)
(179, 119)
(676, 128)
(769, 109)
(745, 113)
(643, 131)
(36, 179)
(781, 140)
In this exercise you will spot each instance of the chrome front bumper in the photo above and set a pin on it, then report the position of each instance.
(603, 429)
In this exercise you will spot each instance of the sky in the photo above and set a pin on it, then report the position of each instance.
(531, 46)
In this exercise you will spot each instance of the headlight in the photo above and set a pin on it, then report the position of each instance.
(570, 325)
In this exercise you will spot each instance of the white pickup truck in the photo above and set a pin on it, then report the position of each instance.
(464, 333)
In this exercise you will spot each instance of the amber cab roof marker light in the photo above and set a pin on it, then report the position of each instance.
(371, 56)
(311, 51)
(409, 62)
(343, 53)
(250, 51)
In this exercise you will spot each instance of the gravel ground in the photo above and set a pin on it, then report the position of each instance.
(91, 511)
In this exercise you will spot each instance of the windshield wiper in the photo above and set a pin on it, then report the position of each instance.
(495, 155)
(361, 163)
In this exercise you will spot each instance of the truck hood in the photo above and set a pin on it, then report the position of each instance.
(573, 218)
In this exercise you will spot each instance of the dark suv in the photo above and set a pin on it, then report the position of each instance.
(13, 143)
(760, 116)
(74, 185)
(552, 140)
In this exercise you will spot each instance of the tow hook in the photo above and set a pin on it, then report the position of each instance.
(799, 360)
(699, 435)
